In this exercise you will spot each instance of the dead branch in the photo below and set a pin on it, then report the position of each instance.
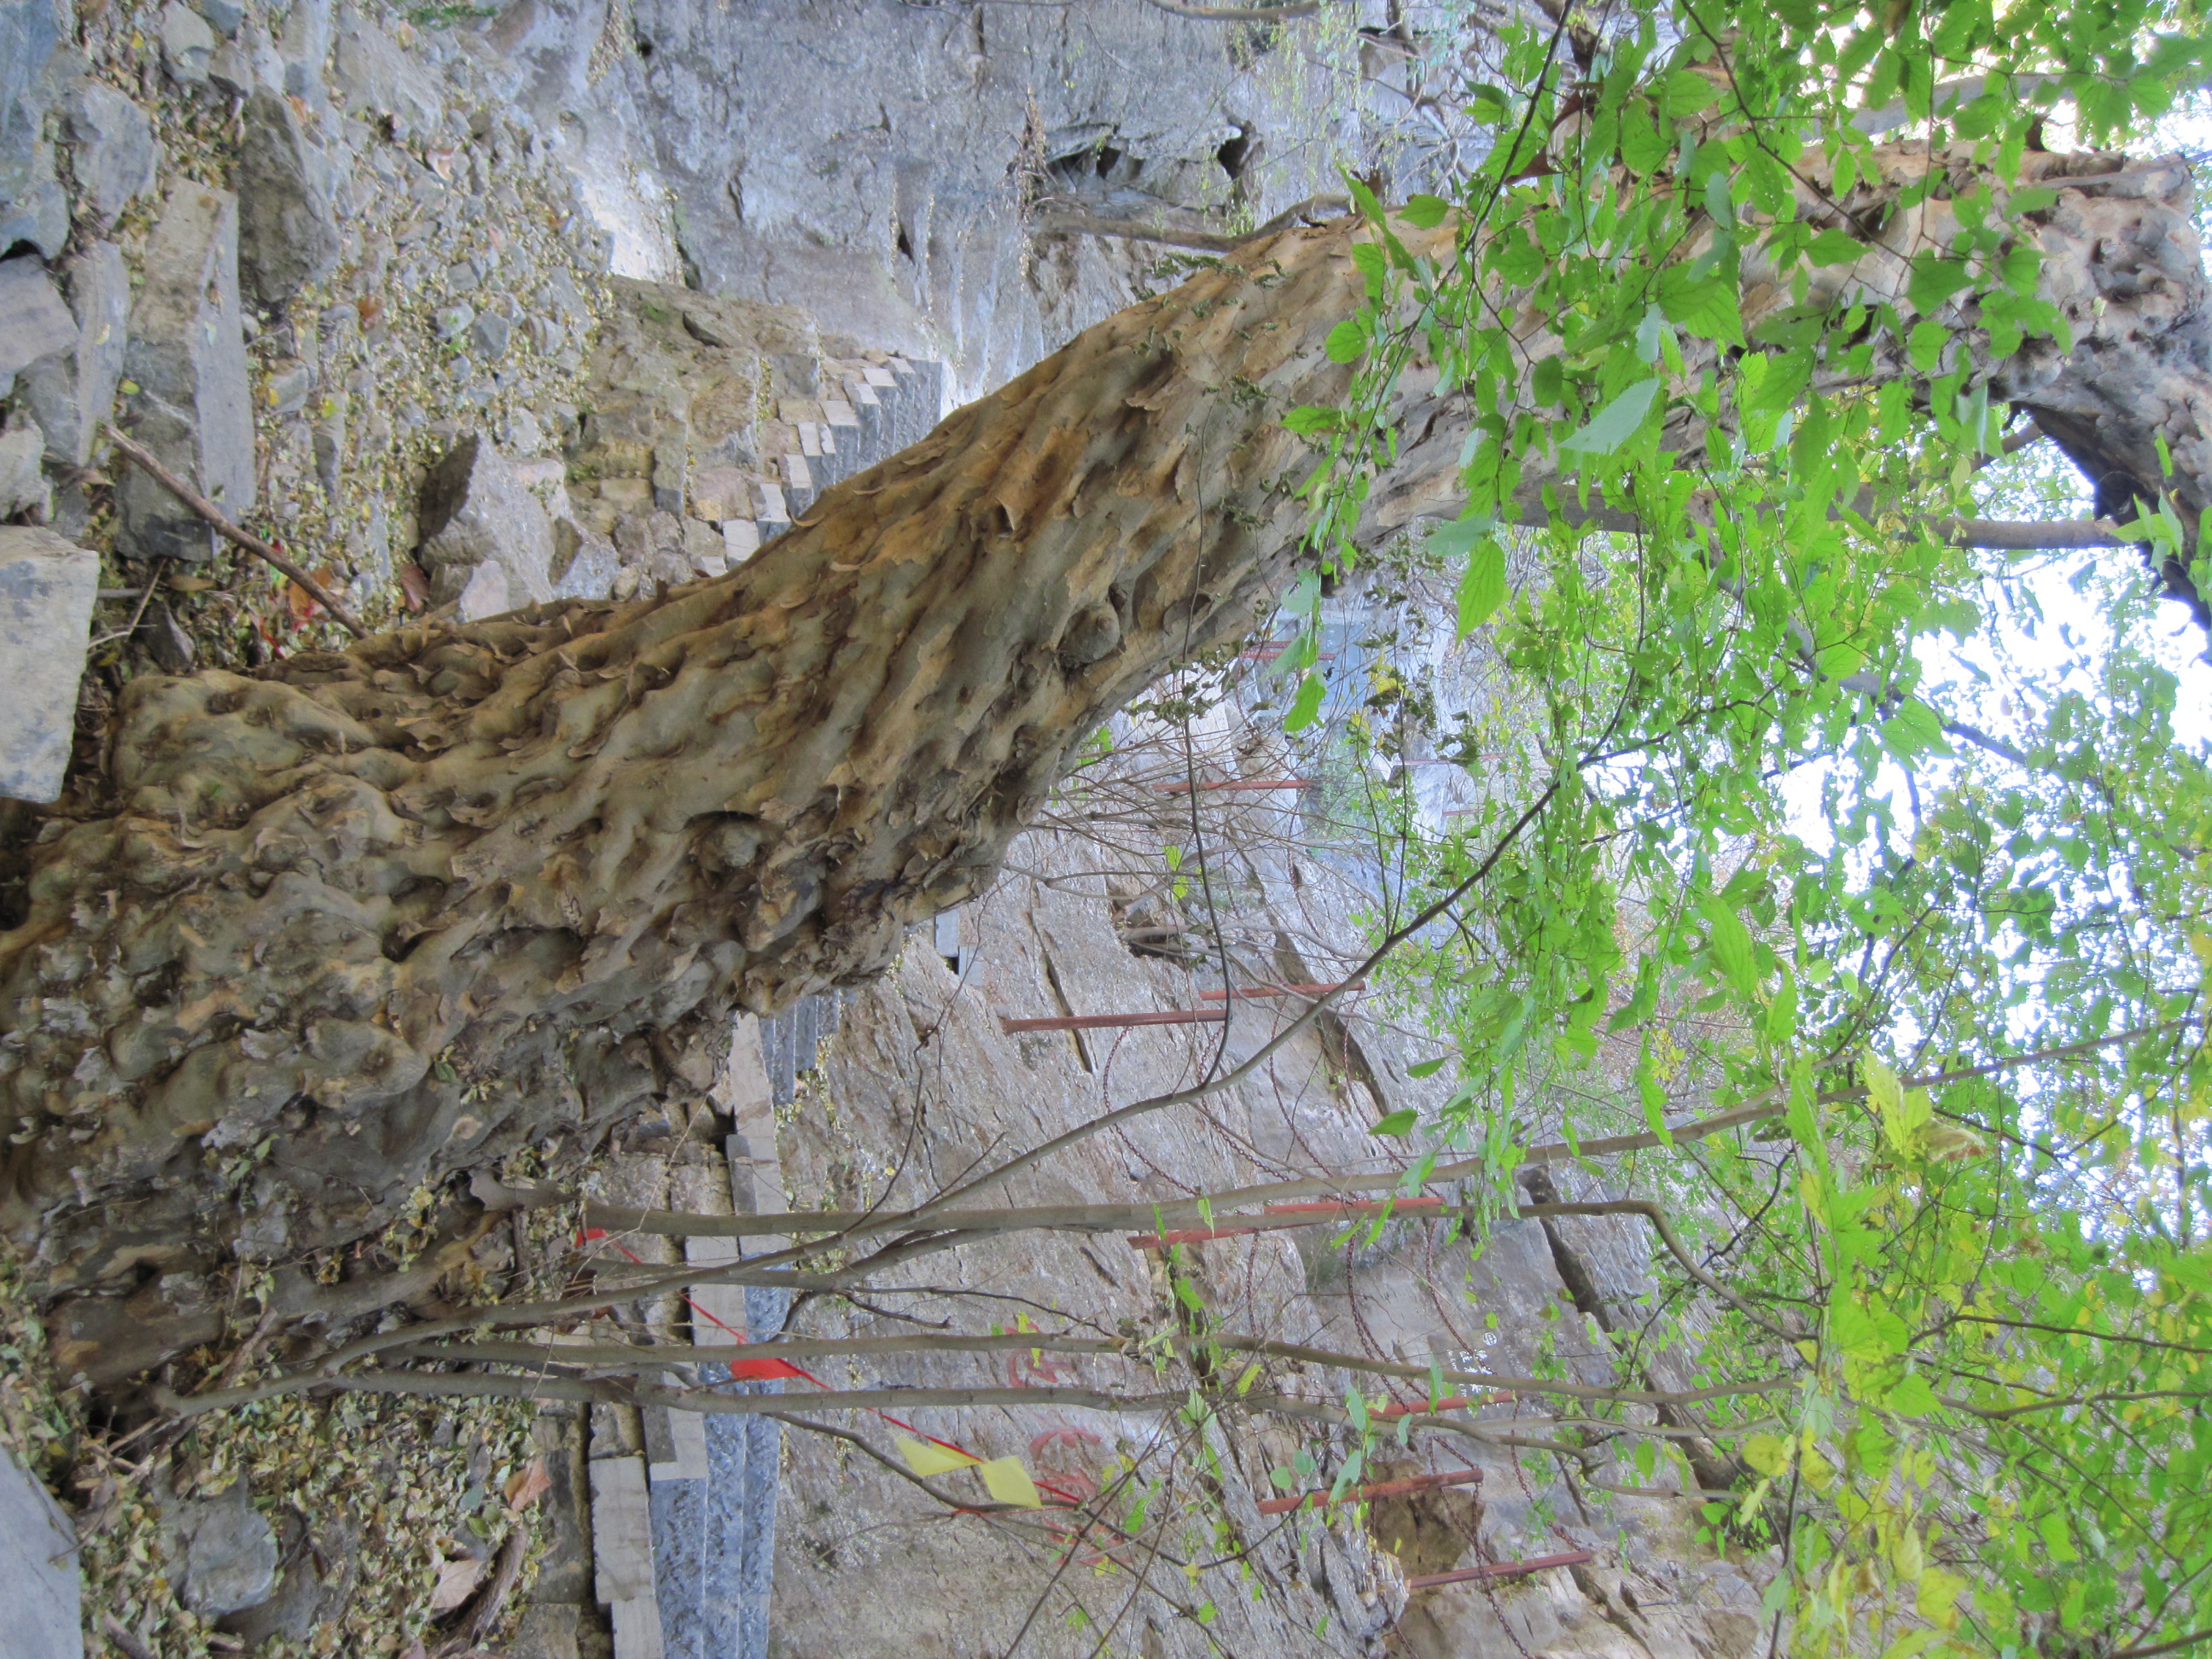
(150, 465)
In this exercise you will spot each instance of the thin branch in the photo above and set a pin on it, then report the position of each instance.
(1652, 1214)
(150, 465)
(1239, 14)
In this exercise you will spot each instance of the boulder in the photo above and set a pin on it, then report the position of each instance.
(32, 207)
(29, 32)
(116, 156)
(230, 1552)
(22, 477)
(288, 234)
(187, 357)
(47, 587)
(70, 392)
(33, 321)
(584, 562)
(187, 43)
(475, 513)
(224, 16)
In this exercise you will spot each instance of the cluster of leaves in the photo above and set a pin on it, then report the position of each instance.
(1750, 849)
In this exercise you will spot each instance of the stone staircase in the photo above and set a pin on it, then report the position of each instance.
(682, 1505)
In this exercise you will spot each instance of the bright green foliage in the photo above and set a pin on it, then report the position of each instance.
(1745, 847)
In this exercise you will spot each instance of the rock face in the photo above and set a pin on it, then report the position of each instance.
(286, 234)
(377, 79)
(71, 392)
(188, 356)
(47, 587)
(486, 541)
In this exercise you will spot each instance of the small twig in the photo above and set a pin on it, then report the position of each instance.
(151, 465)
(145, 598)
(491, 1601)
(235, 1366)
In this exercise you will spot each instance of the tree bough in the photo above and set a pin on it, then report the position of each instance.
(373, 918)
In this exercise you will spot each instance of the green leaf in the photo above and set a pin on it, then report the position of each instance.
(1309, 420)
(1686, 92)
(1614, 425)
(1424, 212)
(1706, 304)
(1934, 281)
(1347, 342)
(1925, 344)
(1912, 1397)
(1306, 705)
(1730, 943)
(1431, 1067)
(1400, 1123)
(1482, 588)
(1488, 106)
(1834, 247)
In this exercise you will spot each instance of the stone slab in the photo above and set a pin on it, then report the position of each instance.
(71, 392)
(288, 234)
(47, 587)
(33, 321)
(622, 1532)
(187, 354)
(38, 1566)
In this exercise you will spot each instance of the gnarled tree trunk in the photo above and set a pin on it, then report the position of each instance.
(371, 918)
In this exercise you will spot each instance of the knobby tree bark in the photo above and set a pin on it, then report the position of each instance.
(374, 917)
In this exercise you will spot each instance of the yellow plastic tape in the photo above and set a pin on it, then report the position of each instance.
(1010, 1483)
(932, 1459)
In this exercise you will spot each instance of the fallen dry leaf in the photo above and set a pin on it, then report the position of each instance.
(457, 1582)
(414, 583)
(527, 1484)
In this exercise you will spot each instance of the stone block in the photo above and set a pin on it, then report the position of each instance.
(29, 32)
(23, 485)
(188, 356)
(475, 513)
(187, 43)
(37, 1563)
(721, 492)
(706, 550)
(621, 1534)
(288, 234)
(547, 1631)
(740, 540)
(71, 392)
(47, 587)
(224, 16)
(33, 321)
(584, 561)
(675, 1445)
(116, 156)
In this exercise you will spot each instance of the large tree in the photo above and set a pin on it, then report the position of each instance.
(371, 919)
